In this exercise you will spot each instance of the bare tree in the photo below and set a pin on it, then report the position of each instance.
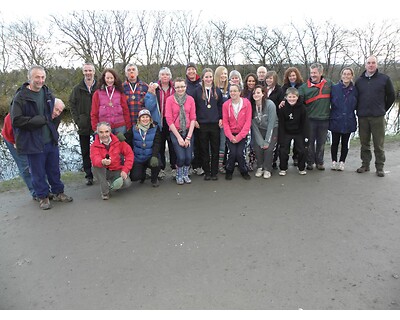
(226, 40)
(187, 29)
(87, 35)
(4, 47)
(29, 45)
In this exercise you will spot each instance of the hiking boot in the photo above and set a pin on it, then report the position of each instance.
(62, 197)
(259, 173)
(45, 204)
(246, 176)
(362, 169)
(380, 173)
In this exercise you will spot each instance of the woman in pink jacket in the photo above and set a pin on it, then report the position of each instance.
(180, 113)
(236, 118)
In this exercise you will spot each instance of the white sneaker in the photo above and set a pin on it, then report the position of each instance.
(334, 165)
(267, 174)
(199, 171)
(161, 174)
(259, 172)
(340, 166)
(282, 173)
(302, 172)
(173, 173)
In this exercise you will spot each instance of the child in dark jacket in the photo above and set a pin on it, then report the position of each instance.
(293, 125)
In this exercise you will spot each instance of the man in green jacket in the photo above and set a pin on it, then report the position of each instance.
(316, 94)
(80, 102)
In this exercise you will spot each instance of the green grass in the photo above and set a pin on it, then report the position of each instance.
(18, 183)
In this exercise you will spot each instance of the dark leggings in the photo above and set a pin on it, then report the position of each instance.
(336, 137)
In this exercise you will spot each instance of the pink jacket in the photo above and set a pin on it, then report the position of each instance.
(172, 111)
(239, 127)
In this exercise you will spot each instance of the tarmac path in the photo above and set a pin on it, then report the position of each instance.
(327, 240)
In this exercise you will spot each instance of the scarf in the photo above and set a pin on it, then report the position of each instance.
(142, 127)
(182, 115)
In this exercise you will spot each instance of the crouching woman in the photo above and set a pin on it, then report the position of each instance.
(112, 160)
(146, 142)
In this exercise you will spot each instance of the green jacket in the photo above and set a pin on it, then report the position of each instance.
(80, 102)
(317, 98)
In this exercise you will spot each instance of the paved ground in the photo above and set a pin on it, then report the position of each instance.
(327, 240)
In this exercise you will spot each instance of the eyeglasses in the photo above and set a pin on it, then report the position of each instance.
(180, 87)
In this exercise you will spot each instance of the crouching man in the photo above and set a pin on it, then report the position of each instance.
(112, 160)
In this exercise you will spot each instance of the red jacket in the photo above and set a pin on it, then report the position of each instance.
(98, 152)
(239, 127)
(7, 131)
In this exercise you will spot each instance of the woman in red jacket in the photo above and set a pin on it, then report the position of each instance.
(236, 118)
(109, 103)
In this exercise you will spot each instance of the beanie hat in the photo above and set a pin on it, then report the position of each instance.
(144, 112)
(191, 65)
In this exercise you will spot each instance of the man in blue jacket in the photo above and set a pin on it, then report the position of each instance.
(375, 97)
(36, 136)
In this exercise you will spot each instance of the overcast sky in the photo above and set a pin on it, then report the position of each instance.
(351, 13)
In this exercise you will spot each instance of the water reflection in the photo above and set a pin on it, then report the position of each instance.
(70, 152)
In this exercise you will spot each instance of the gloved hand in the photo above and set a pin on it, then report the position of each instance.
(121, 136)
(154, 162)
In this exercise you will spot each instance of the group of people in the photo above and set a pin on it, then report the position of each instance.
(211, 122)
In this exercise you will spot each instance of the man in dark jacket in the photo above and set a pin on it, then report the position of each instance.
(80, 102)
(36, 136)
(375, 97)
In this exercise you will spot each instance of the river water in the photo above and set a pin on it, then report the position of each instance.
(70, 153)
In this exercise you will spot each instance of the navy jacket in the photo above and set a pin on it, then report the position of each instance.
(375, 95)
(342, 117)
(28, 123)
(148, 148)
(205, 114)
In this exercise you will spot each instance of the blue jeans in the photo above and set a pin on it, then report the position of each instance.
(23, 167)
(46, 164)
(118, 130)
(184, 156)
(317, 139)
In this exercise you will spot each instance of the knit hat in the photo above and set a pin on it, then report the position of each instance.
(191, 65)
(144, 112)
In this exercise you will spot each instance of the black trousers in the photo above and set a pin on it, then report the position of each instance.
(284, 150)
(84, 141)
(209, 136)
(138, 171)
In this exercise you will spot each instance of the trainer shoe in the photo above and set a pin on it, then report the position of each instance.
(334, 165)
(282, 173)
(161, 174)
(62, 197)
(199, 171)
(259, 172)
(340, 166)
(173, 173)
(105, 196)
(362, 169)
(267, 174)
(117, 184)
(302, 172)
(310, 167)
(45, 204)
(228, 176)
(320, 167)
